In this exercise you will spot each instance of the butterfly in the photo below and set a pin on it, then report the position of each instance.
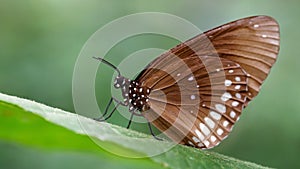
(195, 92)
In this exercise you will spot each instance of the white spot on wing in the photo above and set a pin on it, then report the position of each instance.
(220, 131)
(190, 143)
(209, 122)
(215, 115)
(193, 97)
(225, 123)
(264, 36)
(256, 26)
(199, 134)
(206, 143)
(226, 96)
(178, 74)
(232, 114)
(237, 87)
(238, 95)
(191, 78)
(221, 108)
(235, 103)
(230, 71)
(204, 129)
(213, 138)
(200, 144)
(238, 79)
(227, 82)
(196, 140)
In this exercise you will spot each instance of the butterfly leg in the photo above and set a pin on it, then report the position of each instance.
(130, 120)
(152, 133)
(112, 112)
(106, 110)
(133, 113)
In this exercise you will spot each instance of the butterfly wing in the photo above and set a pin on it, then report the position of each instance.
(200, 87)
(252, 42)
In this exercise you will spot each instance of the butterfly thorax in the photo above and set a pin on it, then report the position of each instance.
(135, 96)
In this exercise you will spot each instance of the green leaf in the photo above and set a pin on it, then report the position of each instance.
(64, 131)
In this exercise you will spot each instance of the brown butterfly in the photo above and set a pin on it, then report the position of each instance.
(195, 92)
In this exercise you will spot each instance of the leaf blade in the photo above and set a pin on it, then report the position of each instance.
(178, 157)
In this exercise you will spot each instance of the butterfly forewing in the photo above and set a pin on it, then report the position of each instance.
(196, 120)
(200, 87)
(253, 43)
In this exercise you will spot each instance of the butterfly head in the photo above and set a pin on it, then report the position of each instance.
(119, 82)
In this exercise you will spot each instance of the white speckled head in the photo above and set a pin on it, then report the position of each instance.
(119, 82)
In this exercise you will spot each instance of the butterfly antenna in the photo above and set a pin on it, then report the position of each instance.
(109, 64)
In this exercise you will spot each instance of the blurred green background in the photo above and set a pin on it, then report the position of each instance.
(40, 41)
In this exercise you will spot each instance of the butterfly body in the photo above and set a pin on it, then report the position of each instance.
(195, 92)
